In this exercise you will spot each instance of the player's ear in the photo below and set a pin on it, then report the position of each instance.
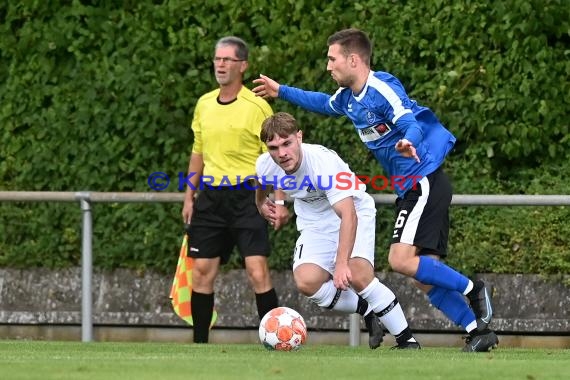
(353, 60)
(244, 66)
(300, 136)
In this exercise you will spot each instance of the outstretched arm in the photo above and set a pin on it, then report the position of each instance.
(310, 100)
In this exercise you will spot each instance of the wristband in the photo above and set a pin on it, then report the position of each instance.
(280, 202)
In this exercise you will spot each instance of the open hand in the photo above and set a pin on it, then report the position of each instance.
(407, 149)
(267, 87)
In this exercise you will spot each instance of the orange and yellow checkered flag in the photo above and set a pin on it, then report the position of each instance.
(181, 290)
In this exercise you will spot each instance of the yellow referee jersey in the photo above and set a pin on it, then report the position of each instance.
(227, 135)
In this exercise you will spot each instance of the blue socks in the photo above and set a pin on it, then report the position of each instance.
(447, 292)
(453, 305)
(434, 272)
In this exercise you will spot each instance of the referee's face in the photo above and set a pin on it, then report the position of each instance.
(286, 151)
(228, 68)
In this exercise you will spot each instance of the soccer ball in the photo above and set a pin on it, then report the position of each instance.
(282, 329)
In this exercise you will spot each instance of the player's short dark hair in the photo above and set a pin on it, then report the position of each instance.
(281, 124)
(353, 41)
(242, 51)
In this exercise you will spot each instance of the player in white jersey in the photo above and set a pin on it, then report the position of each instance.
(333, 261)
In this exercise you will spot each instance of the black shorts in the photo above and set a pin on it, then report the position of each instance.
(225, 218)
(422, 215)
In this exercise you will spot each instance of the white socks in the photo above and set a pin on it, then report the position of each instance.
(386, 306)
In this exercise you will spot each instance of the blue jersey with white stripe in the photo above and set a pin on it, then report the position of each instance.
(383, 114)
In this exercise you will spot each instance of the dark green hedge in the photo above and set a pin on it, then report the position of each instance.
(96, 95)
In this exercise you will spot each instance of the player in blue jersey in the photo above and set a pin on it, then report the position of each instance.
(410, 143)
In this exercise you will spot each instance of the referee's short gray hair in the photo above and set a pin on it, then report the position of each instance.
(242, 51)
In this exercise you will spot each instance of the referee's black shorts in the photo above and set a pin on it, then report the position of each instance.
(224, 218)
(422, 215)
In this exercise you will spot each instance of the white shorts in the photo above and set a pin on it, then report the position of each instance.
(316, 247)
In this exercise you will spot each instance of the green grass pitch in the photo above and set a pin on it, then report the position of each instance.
(107, 361)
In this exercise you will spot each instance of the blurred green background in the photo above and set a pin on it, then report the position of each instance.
(96, 95)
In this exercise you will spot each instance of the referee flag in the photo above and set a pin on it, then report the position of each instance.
(181, 290)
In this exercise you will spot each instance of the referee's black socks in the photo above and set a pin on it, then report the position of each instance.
(266, 302)
(202, 306)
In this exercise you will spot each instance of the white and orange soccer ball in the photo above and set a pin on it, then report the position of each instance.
(282, 329)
